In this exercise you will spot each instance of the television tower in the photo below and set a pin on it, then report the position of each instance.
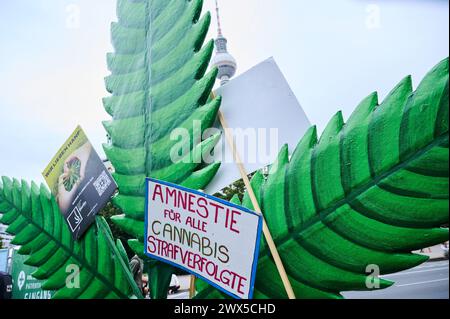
(223, 60)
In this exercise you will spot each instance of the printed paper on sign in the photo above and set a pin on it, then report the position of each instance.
(206, 236)
(80, 182)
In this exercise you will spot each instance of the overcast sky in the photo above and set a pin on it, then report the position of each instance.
(332, 52)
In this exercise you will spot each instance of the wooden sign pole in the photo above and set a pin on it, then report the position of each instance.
(257, 208)
(192, 288)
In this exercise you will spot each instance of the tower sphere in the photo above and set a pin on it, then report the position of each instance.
(225, 62)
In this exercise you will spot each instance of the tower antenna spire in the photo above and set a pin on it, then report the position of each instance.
(223, 60)
(219, 25)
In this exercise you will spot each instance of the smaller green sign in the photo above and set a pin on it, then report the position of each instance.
(25, 286)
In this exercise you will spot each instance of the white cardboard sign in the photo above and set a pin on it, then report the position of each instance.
(264, 114)
(206, 236)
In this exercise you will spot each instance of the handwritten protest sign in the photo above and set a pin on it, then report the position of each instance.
(208, 237)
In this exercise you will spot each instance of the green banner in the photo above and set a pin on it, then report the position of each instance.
(25, 286)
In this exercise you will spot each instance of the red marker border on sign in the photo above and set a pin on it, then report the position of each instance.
(228, 204)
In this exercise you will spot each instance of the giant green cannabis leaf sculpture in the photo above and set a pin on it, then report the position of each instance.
(34, 218)
(369, 191)
(158, 83)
